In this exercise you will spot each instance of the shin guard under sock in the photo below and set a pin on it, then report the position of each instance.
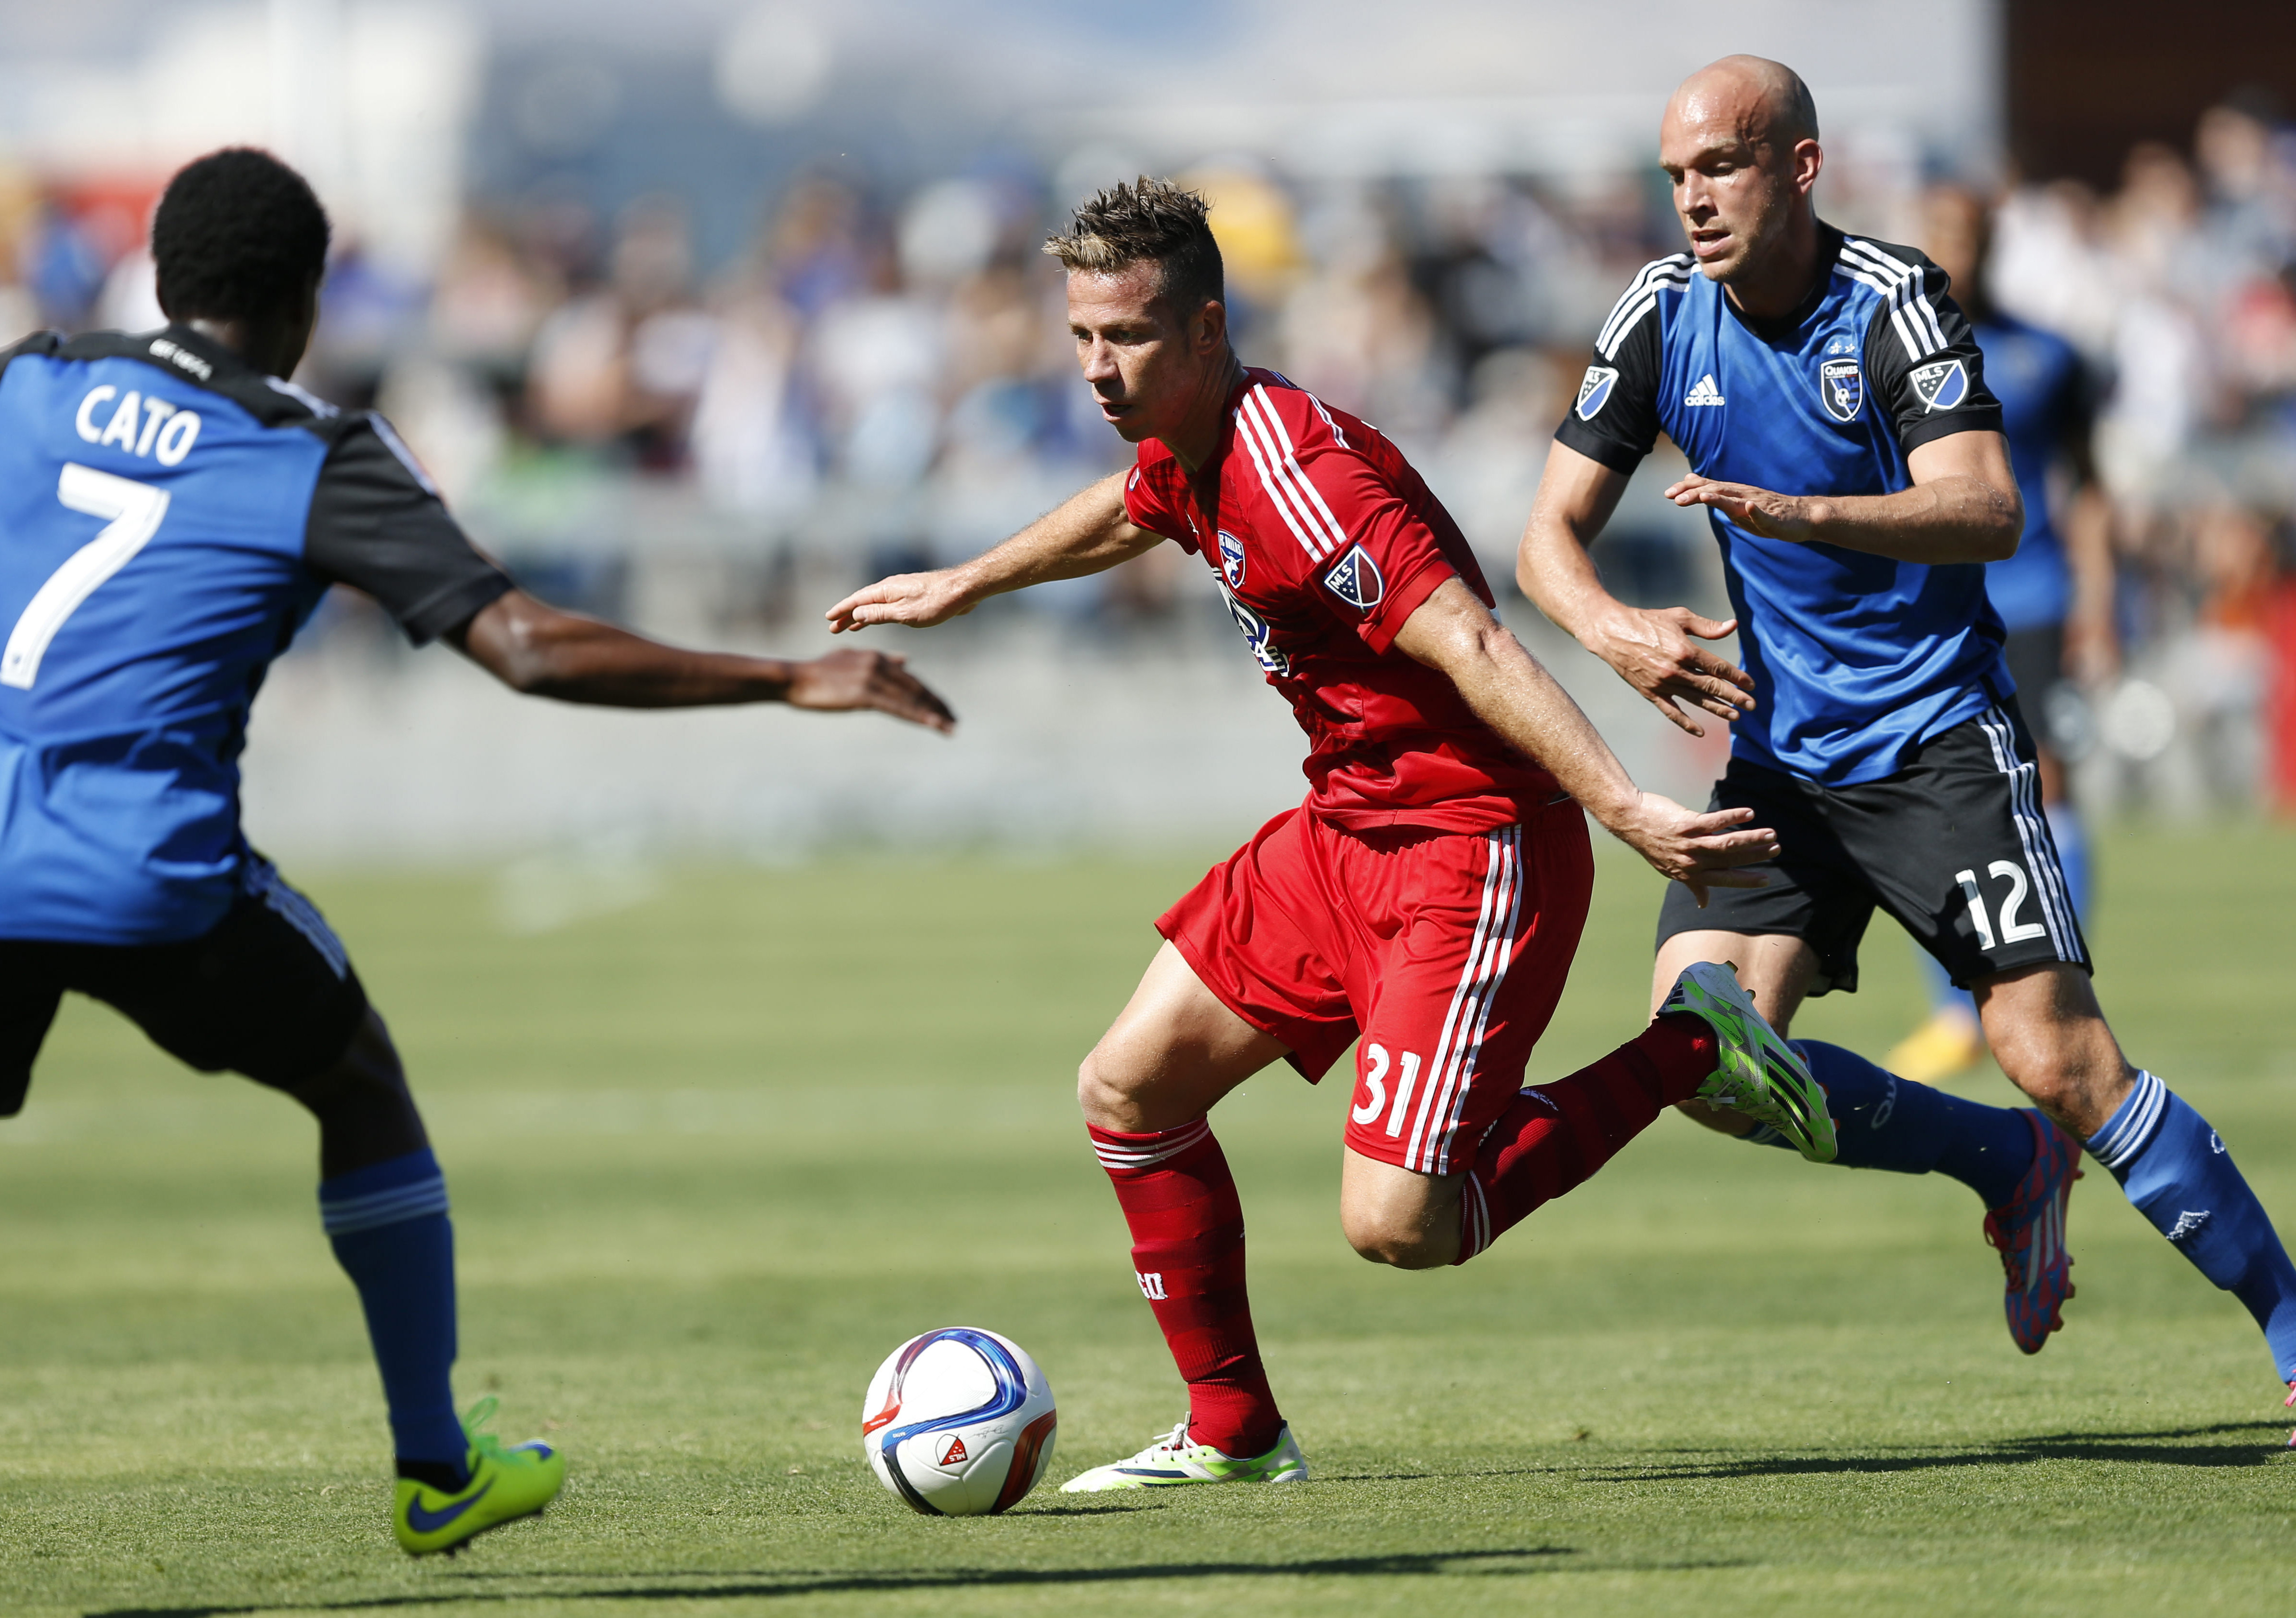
(1187, 1254)
(1555, 1135)
(388, 1224)
(1883, 1121)
(2178, 1172)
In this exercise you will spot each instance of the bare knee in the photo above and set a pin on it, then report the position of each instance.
(1393, 1216)
(1777, 970)
(2054, 1044)
(2076, 1087)
(1103, 1096)
(1397, 1243)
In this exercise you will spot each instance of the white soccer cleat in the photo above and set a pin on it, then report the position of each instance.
(1172, 1460)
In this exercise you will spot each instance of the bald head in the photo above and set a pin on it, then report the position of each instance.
(1763, 100)
(1739, 142)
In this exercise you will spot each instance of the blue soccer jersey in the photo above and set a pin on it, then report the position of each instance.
(1857, 658)
(169, 519)
(2045, 407)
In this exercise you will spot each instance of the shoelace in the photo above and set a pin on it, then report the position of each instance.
(474, 1420)
(1177, 1440)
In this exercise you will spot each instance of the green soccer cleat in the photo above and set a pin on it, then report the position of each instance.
(1760, 1074)
(506, 1483)
(1172, 1460)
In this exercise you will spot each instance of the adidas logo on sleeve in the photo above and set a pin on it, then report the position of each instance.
(1705, 393)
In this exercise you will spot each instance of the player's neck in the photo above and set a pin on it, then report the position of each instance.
(1197, 438)
(273, 347)
(1775, 287)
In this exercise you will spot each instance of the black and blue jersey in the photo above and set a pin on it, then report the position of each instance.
(1857, 658)
(169, 519)
(2046, 405)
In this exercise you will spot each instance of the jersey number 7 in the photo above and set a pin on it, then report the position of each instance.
(132, 510)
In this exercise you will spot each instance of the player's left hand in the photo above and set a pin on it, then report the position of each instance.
(851, 678)
(1792, 518)
(1699, 851)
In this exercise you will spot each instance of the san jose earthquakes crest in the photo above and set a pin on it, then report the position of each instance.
(1355, 580)
(1942, 385)
(1231, 559)
(1594, 392)
(1841, 388)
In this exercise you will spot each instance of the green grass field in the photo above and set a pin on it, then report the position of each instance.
(715, 1154)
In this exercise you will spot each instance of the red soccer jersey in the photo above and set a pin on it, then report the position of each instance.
(1325, 540)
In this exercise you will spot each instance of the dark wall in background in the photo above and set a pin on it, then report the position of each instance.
(2087, 77)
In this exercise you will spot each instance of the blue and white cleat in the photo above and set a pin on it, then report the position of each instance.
(1172, 1461)
(1756, 1072)
(2029, 1230)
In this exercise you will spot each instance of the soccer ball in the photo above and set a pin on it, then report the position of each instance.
(959, 1423)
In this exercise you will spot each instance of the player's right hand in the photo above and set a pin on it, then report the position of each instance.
(919, 600)
(1699, 851)
(1653, 651)
(845, 681)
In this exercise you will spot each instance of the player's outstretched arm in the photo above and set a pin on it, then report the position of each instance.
(1453, 631)
(1087, 533)
(1963, 506)
(540, 651)
(1652, 648)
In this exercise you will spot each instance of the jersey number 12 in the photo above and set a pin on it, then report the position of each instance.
(132, 511)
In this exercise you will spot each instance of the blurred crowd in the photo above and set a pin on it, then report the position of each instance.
(2179, 289)
(880, 381)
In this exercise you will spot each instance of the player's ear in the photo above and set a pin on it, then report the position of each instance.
(1209, 330)
(1808, 161)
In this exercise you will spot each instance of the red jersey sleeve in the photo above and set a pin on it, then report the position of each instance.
(1386, 560)
(1153, 497)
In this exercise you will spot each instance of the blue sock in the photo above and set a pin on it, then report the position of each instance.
(2067, 830)
(387, 1223)
(2173, 1167)
(1883, 1121)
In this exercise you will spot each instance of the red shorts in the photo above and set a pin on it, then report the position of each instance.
(1444, 951)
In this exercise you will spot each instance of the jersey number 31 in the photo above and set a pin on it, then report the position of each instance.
(131, 512)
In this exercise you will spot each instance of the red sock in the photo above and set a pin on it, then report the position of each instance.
(1556, 1137)
(1187, 1254)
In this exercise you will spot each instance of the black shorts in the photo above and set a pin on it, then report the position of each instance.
(267, 991)
(1955, 846)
